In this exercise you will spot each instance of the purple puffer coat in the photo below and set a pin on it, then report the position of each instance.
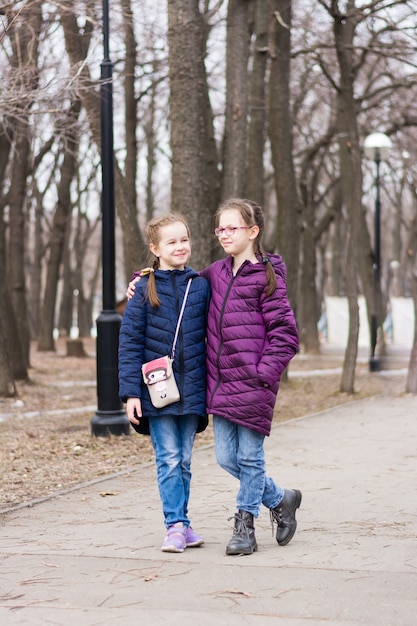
(251, 339)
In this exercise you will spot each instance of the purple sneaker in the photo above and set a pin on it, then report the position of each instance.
(192, 539)
(175, 539)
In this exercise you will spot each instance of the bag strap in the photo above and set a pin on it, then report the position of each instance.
(177, 330)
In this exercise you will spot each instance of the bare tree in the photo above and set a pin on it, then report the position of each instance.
(411, 382)
(351, 182)
(310, 298)
(130, 102)
(280, 132)
(237, 89)
(194, 159)
(151, 158)
(23, 32)
(257, 107)
(7, 378)
(85, 283)
(11, 363)
(35, 253)
(60, 224)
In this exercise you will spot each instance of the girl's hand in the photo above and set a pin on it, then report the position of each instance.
(131, 288)
(134, 410)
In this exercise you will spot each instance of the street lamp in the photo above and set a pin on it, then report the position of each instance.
(110, 417)
(377, 147)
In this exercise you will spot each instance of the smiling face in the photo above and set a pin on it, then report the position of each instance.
(173, 248)
(238, 239)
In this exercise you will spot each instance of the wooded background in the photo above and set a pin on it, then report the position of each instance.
(265, 99)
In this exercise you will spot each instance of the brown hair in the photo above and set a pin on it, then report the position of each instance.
(153, 236)
(252, 215)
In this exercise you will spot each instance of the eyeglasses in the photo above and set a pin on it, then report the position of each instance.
(229, 231)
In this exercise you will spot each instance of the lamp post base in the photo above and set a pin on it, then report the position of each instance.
(374, 364)
(105, 423)
(110, 418)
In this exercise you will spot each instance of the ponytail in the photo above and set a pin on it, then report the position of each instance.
(271, 278)
(151, 291)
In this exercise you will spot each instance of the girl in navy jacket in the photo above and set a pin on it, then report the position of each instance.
(147, 332)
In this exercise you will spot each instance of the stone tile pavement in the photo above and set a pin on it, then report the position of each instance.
(88, 558)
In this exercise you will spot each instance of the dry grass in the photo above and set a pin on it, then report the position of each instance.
(42, 453)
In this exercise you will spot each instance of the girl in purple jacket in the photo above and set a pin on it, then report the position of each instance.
(251, 337)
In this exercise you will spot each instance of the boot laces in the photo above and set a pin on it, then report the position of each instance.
(276, 517)
(240, 527)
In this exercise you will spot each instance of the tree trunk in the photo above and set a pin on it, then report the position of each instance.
(8, 340)
(92, 290)
(59, 228)
(16, 247)
(150, 157)
(344, 34)
(351, 184)
(35, 229)
(311, 286)
(23, 32)
(257, 107)
(130, 103)
(7, 386)
(235, 136)
(193, 182)
(67, 293)
(336, 285)
(396, 268)
(36, 270)
(308, 305)
(84, 318)
(347, 383)
(280, 130)
(411, 383)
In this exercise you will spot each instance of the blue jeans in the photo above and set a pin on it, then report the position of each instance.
(173, 439)
(240, 451)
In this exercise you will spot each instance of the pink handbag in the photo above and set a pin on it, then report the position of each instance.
(158, 373)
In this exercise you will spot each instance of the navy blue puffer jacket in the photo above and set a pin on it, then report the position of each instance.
(147, 333)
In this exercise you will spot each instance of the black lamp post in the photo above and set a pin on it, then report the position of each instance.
(377, 147)
(110, 418)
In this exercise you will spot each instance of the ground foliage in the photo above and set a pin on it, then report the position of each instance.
(46, 444)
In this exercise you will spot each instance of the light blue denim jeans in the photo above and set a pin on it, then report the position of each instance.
(240, 451)
(173, 439)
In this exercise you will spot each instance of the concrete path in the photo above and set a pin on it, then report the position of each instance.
(92, 556)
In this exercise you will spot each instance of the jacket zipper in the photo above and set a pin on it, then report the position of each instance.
(181, 345)
(221, 342)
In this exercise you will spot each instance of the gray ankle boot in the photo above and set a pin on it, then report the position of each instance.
(283, 516)
(243, 540)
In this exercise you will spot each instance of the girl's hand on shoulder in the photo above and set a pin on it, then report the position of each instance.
(131, 288)
(134, 410)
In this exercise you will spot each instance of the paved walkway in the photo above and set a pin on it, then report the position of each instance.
(88, 558)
